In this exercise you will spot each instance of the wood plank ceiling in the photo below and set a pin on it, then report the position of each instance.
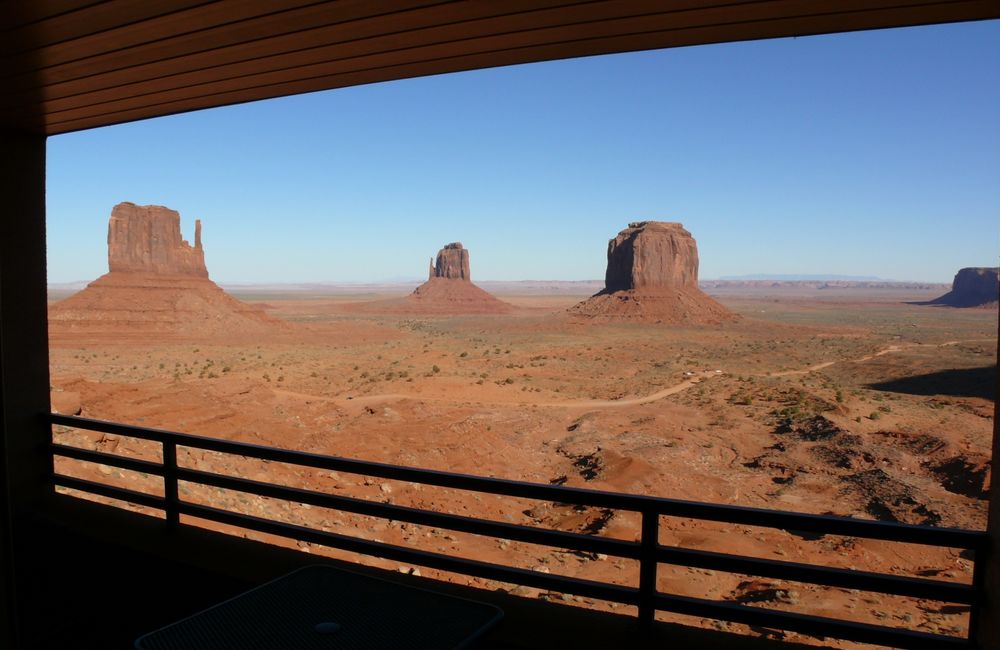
(77, 64)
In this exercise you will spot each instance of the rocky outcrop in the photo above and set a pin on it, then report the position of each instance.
(157, 285)
(147, 239)
(973, 287)
(448, 291)
(652, 276)
(652, 256)
(452, 263)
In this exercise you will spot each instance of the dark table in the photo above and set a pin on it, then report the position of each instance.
(324, 608)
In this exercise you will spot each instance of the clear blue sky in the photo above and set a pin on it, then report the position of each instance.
(876, 153)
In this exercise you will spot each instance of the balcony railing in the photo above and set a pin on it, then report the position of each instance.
(647, 550)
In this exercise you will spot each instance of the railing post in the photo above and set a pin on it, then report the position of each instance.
(170, 483)
(979, 590)
(647, 567)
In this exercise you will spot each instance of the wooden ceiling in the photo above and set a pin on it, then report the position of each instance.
(77, 64)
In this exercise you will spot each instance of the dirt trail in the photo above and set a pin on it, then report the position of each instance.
(868, 357)
(634, 401)
(369, 400)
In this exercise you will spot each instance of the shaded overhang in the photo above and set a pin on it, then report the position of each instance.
(78, 64)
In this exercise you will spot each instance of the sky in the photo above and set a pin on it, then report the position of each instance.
(867, 154)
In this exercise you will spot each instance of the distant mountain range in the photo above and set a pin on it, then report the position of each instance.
(552, 287)
(800, 277)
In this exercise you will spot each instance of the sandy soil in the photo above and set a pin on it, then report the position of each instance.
(859, 404)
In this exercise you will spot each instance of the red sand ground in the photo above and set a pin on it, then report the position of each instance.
(820, 406)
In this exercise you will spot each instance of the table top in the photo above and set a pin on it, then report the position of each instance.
(321, 607)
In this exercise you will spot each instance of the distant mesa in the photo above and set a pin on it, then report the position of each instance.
(157, 284)
(973, 287)
(652, 276)
(448, 290)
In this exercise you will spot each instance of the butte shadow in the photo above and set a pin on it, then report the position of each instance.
(960, 382)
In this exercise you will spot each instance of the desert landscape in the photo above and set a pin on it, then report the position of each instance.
(867, 399)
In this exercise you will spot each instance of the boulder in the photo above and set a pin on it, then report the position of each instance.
(65, 402)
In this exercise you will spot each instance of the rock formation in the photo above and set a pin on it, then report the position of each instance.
(157, 284)
(973, 287)
(147, 239)
(652, 276)
(448, 290)
(652, 256)
(452, 263)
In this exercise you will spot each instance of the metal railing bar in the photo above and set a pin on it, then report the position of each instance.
(115, 428)
(808, 624)
(824, 524)
(586, 588)
(595, 498)
(104, 458)
(170, 483)
(827, 524)
(902, 586)
(529, 534)
(110, 491)
(832, 577)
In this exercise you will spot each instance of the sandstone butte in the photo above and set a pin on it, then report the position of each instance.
(157, 284)
(448, 290)
(973, 287)
(652, 277)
